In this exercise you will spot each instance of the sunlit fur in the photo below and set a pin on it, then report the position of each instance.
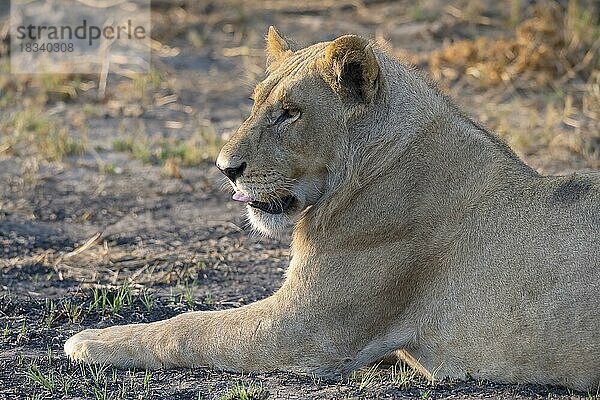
(415, 229)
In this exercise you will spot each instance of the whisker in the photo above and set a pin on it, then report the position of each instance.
(225, 185)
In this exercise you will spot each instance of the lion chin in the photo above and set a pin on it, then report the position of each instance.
(275, 219)
(270, 225)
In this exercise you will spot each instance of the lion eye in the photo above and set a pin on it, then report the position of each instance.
(287, 114)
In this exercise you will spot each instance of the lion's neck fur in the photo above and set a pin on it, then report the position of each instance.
(409, 114)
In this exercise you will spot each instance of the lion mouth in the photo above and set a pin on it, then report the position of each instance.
(278, 206)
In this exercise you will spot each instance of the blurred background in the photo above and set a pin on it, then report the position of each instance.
(528, 70)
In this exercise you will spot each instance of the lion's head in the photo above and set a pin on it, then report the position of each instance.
(283, 157)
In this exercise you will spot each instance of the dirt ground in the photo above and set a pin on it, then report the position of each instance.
(127, 220)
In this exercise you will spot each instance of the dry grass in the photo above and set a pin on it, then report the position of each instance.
(538, 87)
(45, 115)
(97, 257)
(549, 48)
(204, 145)
(400, 375)
(27, 127)
(31, 132)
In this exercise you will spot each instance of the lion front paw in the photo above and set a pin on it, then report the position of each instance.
(120, 346)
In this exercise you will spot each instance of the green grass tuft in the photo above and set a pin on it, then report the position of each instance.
(241, 391)
(202, 146)
(31, 132)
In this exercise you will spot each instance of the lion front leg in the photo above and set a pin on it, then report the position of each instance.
(261, 336)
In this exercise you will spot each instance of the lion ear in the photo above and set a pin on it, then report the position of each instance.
(278, 48)
(351, 68)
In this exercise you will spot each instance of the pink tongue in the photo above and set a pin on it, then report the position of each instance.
(239, 196)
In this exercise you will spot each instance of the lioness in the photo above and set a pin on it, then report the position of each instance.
(414, 228)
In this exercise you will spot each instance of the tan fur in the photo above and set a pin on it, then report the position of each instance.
(278, 49)
(414, 228)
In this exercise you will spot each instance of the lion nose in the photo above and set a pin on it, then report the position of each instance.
(233, 171)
